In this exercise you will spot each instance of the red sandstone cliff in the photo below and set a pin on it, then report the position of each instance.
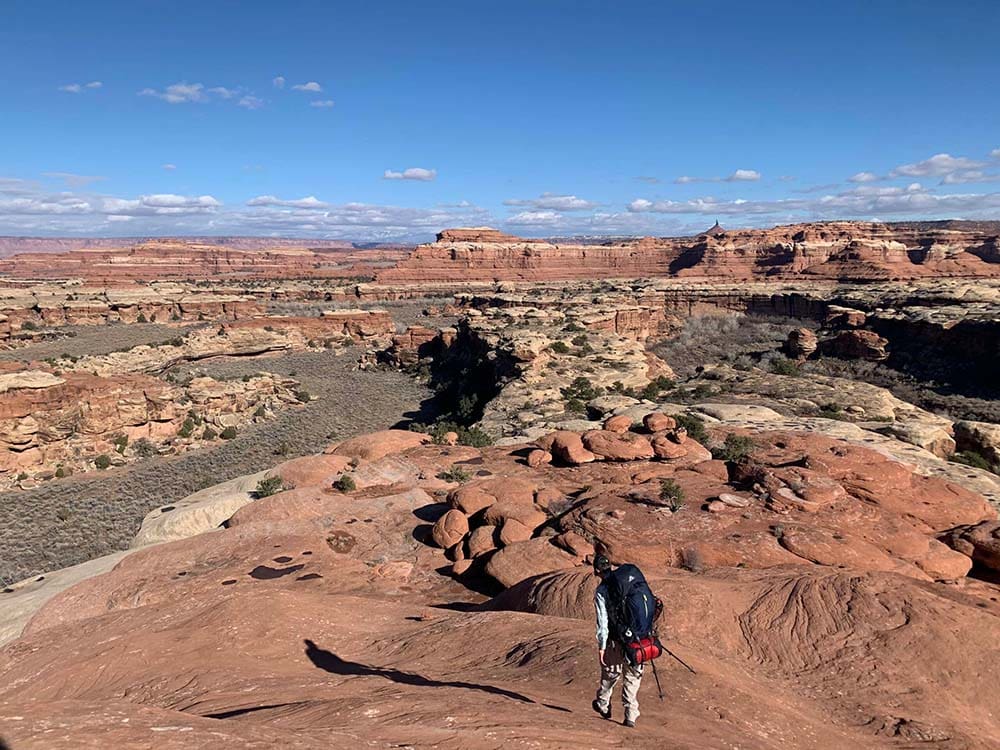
(834, 250)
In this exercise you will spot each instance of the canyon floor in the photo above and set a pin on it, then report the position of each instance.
(392, 547)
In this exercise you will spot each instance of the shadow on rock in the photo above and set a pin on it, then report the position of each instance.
(330, 662)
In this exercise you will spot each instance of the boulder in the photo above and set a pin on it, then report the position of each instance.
(522, 560)
(538, 457)
(450, 529)
(513, 531)
(801, 343)
(499, 513)
(667, 449)
(658, 422)
(619, 424)
(856, 344)
(980, 437)
(482, 540)
(612, 446)
(980, 542)
(568, 447)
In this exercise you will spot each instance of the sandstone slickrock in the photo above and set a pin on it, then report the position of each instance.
(786, 623)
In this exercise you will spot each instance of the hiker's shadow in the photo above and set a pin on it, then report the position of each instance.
(330, 662)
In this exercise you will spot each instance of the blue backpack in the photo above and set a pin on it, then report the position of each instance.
(632, 611)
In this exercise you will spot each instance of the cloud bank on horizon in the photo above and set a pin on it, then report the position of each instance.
(314, 134)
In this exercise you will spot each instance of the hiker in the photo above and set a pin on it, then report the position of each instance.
(622, 628)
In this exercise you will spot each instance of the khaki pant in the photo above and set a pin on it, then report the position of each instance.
(616, 668)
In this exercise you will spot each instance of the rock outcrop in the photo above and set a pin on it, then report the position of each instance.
(785, 602)
(833, 250)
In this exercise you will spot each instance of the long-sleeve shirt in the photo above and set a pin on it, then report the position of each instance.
(601, 606)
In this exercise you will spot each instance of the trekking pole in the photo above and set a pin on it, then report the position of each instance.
(679, 659)
(656, 676)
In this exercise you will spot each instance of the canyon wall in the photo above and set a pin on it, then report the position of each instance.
(830, 250)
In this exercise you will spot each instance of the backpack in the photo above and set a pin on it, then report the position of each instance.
(632, 612)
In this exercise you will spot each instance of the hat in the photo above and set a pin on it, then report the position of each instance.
(601, 564)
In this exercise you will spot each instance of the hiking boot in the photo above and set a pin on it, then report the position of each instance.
(629, 723)
(605, 714)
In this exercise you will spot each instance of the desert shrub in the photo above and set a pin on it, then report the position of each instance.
(61, 472)
(260, 412)
(209, 434)
(736, 448)
(581, 388)
(141, 318)
(580, 340)
(576, 406)
(784, 366)
(695, 427)
(455, 474)
(186, 428)
(228, 434)
(471, 436)
(573, 327)
(103, 461)
(120, 443)
(584, 350)
(973, 459)
(303, 397)
(144, 448)
(269, 486)
(345, 483)
(672, 494)
(559, 347)
(29, 325)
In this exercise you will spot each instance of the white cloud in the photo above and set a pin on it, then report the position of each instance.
(554, 202)
(78, 88)
(322, 103)
(310, 86)
(179, 93)
(535, 219)
(995, 153)
(937, 165)
(972, 175)
(169, 167)
(74, 180)
(862, 202)
(223, 92)
(310, 201)
(250, 102)
(162, 204)
(740, 175)
(413, 173)
(862, 177)
(197, 93)
(278, 82)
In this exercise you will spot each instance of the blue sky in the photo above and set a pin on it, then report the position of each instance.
(392, 120)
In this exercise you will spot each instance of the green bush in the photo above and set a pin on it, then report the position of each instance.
(209, 434)
(455, 474)
(784, 366)
(736, 448)
(186, 429)
(141, 318)
(973, 459)
(145, 448)
(121, 443)
(581, 388)
(29, 325)
(345, 483)
(559, 347)
(103, 461)
(228, 434)
(303, 397)
(672, 494)
(576, 406)
(694, 426)
(269, 486)
(573, 327)
(62, 472)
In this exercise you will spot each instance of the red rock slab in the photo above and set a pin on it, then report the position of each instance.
(522, 560)
(380, 444)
